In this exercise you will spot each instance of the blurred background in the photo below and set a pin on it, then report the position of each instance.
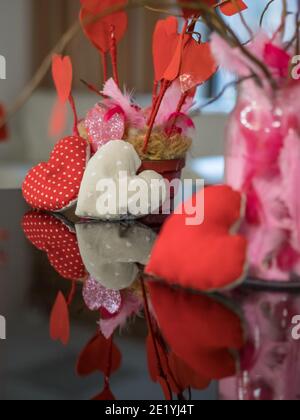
(28, 31)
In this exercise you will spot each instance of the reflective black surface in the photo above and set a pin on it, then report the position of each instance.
(238, 346)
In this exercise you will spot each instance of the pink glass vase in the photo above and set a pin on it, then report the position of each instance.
(263, 161)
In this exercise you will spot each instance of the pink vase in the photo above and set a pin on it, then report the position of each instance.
(263, 161)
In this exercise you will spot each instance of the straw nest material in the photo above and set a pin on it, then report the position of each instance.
(160, 146)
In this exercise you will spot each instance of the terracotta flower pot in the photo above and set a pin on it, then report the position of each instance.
(169, 169)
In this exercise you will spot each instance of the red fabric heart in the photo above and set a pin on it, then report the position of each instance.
(202, 333)
(204, 257)
(50, 235)
(59, 320)
(62, 73)
(99, 355)
(99, 32)
(54, 186)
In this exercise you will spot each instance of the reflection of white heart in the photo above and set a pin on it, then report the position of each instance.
(111, 252)
(111, 177)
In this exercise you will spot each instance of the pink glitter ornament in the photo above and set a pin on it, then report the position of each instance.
(96, 297)
(102, 127)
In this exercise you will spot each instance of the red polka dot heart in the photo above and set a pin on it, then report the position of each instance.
(54, 185)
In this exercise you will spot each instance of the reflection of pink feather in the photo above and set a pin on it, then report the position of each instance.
(290, 172)
(131, 306)
(170, 103)
(134, 115)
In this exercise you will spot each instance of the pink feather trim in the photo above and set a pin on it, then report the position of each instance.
(133, 114)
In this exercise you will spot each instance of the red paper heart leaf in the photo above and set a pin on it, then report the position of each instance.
(49, 234)
(99, 355)
(209, 256)
(54, 185)
(99, 32)
(3, 129)
(202, 334)
(106, 395)
(193, 74)
(58, 119)
(165, 40)
(59, 320)
(62, 73)
(232, 8)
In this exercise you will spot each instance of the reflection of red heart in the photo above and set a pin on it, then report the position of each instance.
(49, 234)
(62, 73)
(99, 32)
(54, 186)
(204, 257)
(99, 355)
(202, 333)
(59, 320)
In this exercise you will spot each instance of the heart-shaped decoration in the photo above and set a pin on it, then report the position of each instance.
(54, 185)
(102, 128)
(111, 188)
(62, 73)
(111, 252)
(49, 234)
(99, 355)
(59, 320)
(191, 74)
(203, 333)
(99, 32)
(165, 40)
(96, 297)
(207, 256)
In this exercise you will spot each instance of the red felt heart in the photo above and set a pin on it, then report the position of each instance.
(62, 73)
(59, 320)
(54, 185)
(99, 355)
(49, 234)
(99, 32)
(204, 257)
(202, 334)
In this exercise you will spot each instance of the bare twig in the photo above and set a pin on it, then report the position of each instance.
(265, 11)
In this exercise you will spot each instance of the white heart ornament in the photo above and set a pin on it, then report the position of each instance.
(111, 188)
